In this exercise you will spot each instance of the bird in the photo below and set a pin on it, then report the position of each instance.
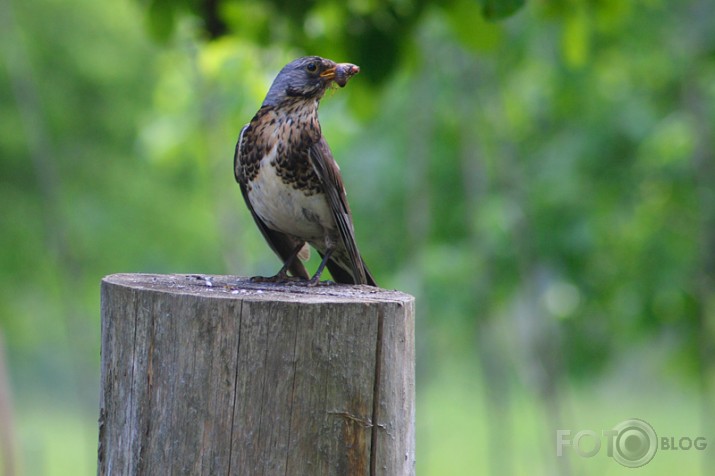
(290, 181)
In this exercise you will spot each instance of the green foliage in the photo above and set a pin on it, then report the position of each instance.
(500, 9)
(540, 176)
(371, 33)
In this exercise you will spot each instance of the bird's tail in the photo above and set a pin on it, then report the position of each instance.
(341, 273)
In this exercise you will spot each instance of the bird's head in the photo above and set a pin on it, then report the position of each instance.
(308, 78)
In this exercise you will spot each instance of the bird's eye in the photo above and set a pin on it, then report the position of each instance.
(311, 67)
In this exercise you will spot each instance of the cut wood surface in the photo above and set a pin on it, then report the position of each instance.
(219, 375)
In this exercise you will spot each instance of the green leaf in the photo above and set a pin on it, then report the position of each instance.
(576, 38)
(500, 9)
(471, 28)
(160, 19)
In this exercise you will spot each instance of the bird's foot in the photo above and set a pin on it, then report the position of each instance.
(315, 281)
(279, 278)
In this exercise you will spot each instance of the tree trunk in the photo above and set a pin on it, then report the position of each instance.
(218, 375)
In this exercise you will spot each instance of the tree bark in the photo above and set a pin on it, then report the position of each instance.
(218, 375)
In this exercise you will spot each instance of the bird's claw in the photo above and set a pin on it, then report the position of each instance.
(277, 279)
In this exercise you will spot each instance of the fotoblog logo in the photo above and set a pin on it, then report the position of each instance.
(633, 443)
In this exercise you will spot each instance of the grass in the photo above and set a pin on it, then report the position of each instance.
(455, 434)
(56, 441)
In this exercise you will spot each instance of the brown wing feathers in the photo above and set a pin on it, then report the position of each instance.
(327, 170)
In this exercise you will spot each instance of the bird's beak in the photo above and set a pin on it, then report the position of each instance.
(340, 73)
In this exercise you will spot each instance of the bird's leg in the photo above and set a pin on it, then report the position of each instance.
(282, 274)
(315, 280)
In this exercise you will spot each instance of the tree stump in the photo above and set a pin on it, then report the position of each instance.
(217, 375)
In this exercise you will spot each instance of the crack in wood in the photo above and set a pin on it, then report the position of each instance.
(376, 390)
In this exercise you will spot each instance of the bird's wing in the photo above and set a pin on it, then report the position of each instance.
(329, 174)
(283, 245)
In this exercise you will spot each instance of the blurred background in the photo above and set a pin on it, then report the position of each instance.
(540, 175)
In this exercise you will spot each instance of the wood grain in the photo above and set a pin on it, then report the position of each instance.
(217, 375)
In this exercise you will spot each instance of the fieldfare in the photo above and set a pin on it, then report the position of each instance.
(290, 181)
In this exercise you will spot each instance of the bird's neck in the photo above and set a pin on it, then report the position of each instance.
(301, 115)
(291, 107)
